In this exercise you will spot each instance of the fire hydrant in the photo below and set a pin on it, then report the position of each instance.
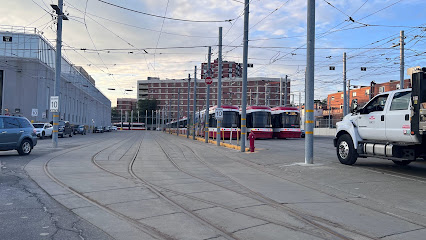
(251, 138)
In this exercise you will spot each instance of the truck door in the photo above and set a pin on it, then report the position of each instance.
(397, 119)
(371, 121)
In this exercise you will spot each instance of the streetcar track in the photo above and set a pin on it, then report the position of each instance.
(161, 195)
(153, 232)
(257, 166)
(295, 213)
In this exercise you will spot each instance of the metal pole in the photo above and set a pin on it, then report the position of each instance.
(57, 84)
(401, 73)
(121, 119)
(152, 119)
(257, 93)
(170, 110)
(178, 112)
(219, 88)
(188, 122)
(244, 97)
(195, 103)
(138, 116)
(131, 120)
(329, 107)
(206, 127)
(309, 84)
(281, 92)
(345, 102)
(285, 91)
(146, 120)
(349, 95)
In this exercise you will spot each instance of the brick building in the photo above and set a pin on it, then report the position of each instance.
(363, 94)
(126, 104)
(260, 91)
(229, 69)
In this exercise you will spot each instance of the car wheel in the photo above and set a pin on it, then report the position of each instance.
(25, 147)
(345, 150)
(70, 134)
(42, 135)
(402, 163)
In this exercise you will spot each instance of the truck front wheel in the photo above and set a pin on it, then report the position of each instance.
(345, 150)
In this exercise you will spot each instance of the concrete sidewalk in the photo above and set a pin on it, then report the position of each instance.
(186, 189)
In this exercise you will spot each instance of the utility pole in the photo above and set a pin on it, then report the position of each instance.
(131, 119)
(244, 93)
(345, 102)
(401, 72)
(349, 95)
(257, 93)
(57, 84)
(188, 119)
(285, 91)
(281, 92)
(219, 87)
(195, 103)
(206, 129)
(178, 112)
(309, 84)
(170, 113)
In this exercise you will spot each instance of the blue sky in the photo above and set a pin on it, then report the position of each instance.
(364, 29)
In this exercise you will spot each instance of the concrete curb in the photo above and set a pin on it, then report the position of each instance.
(227, 145)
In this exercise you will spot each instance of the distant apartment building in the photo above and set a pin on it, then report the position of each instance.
(260, 91)
(229, 69)
(126, 104)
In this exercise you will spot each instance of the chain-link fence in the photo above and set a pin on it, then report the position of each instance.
(326, 123)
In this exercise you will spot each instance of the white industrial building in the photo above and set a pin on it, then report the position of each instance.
(27, 76)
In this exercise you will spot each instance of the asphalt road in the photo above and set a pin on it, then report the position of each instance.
(27, 211)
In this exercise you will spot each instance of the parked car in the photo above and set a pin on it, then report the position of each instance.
(98, 129)
(17, 133)
(64, 128)
(107, 129)
(113, 128)
(79, 129)
(43, 129)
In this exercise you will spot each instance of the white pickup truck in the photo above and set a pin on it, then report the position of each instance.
(392, 125)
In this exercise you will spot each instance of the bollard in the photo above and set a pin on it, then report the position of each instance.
(251, 139)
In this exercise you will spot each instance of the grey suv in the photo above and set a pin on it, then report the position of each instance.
(17, 133)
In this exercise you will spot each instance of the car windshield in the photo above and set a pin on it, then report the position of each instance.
(38, 125)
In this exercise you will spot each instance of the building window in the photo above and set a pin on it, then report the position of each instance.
(354, 94)
(398, 86)
(341, 96)
(332, 98)
(367, 92)
(341, 106)
(381, 89)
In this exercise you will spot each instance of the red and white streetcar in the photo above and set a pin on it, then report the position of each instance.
(286, 122)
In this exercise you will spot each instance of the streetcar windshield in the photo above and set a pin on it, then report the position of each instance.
(290, 120)
(261, 119)
(230, 119)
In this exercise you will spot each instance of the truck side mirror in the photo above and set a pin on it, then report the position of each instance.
(354, 105)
